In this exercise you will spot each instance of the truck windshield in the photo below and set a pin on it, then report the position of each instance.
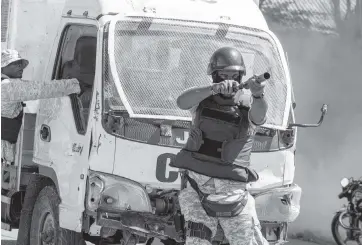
(149, 67)
(153, 63)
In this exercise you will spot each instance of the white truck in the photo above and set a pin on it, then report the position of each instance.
(100, 163)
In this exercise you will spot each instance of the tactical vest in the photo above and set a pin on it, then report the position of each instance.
(225, 145)
(10, 127)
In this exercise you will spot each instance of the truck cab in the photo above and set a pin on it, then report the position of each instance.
(105, 153)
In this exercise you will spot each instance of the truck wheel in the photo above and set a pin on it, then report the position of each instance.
(45, 228)
(35, 185)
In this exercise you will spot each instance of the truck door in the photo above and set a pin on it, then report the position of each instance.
(64, 125)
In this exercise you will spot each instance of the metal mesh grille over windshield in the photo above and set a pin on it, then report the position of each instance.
(152, 63)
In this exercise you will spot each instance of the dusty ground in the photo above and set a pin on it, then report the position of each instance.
(8, 238)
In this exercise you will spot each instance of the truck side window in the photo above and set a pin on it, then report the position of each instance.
(77, 59)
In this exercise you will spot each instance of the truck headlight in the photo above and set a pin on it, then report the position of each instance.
(115, 193)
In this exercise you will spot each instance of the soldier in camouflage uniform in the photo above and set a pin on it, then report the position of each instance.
(14, 91)
(216, 157)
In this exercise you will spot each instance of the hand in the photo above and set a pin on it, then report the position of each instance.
(256, 88)
(77, 84)
(194, 141)
(226, 87)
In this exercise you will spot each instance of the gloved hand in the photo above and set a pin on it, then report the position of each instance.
(256, 89)
(226, 87)
(76, 82)
(194, 141)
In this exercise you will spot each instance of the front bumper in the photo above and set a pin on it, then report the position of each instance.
(275, 209)
(278, 205)
(143, 224)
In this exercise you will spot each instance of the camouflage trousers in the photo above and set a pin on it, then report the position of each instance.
(243, 229)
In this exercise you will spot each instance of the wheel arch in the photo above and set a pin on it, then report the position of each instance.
(49, 173)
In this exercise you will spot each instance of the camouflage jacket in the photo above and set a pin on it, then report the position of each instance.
(15, 91)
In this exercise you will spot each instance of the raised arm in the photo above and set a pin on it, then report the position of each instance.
(193, 96)
(259, 106)
(258, 110)
(17, 90)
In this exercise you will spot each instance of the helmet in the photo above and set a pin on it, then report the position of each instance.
(226, 58)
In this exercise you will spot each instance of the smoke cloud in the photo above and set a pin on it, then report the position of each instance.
(325, 69)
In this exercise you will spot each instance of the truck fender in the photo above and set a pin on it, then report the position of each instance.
(50, 173)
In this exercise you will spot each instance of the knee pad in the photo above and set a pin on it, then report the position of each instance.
(198, 230)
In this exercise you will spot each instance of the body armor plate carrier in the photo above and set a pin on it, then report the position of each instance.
(10, 127)
(223, 143)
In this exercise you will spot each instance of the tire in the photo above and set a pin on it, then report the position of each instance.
(45, 222)
(335, 232)
(36, 184)
(334, 228)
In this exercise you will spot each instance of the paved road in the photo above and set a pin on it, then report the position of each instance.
(7, 238)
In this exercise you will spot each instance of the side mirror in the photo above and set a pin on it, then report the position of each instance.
(324, 112)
